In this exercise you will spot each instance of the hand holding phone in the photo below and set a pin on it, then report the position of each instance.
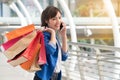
(61, 26)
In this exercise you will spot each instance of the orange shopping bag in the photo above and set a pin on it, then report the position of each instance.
(35, 66)
(32, 65)
(19, 31)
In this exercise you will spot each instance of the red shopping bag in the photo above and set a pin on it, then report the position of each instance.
(32, 61)
(42, 53)
(19, 31)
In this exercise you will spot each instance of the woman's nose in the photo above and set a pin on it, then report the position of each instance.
(58, 21)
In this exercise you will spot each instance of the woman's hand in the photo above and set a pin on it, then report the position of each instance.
(64, 37)
(63, 30)
(50, 30)
(53, 35)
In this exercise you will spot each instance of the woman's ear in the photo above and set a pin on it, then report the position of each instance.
(46, 23)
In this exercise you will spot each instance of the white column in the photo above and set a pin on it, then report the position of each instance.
(25, 11)
(38, 6)
(116, 34)
(114, 22)
(14, 8)
(72, 5)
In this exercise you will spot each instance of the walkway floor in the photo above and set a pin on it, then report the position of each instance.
(7, 72)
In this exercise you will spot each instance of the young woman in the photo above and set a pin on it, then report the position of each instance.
(55, 52)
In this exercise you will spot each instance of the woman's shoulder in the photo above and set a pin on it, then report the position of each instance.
(46, 34)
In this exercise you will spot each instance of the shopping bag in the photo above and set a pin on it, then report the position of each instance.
(19, 31)
(18, 59)
(42, 53)
(31, 63)
(35, 66)
(25, 55)
(9, 43)
(20, 45)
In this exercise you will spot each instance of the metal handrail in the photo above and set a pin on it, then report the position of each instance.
(103, 47)
(97, 64)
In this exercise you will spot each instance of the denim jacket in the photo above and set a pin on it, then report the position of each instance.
(52, 56)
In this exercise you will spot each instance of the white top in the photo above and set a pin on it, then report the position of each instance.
(58, 64)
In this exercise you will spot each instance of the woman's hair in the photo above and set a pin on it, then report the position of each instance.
(48, 13)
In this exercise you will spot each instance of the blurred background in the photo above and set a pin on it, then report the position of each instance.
(87, 15)
(92, 24)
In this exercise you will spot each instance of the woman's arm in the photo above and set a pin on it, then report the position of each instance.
(53, 35)
(64, 43)
(64, 38)
(50, 41)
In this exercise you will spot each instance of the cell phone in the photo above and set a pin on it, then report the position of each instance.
(61, 26)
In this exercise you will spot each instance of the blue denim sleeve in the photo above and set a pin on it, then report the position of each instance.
(50, 47)
(53, 45)
(64, 55)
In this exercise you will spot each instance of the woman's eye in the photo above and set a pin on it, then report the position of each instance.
(59, 17)
(53, 18)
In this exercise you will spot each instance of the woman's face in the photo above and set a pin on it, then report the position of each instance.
(55, 22)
